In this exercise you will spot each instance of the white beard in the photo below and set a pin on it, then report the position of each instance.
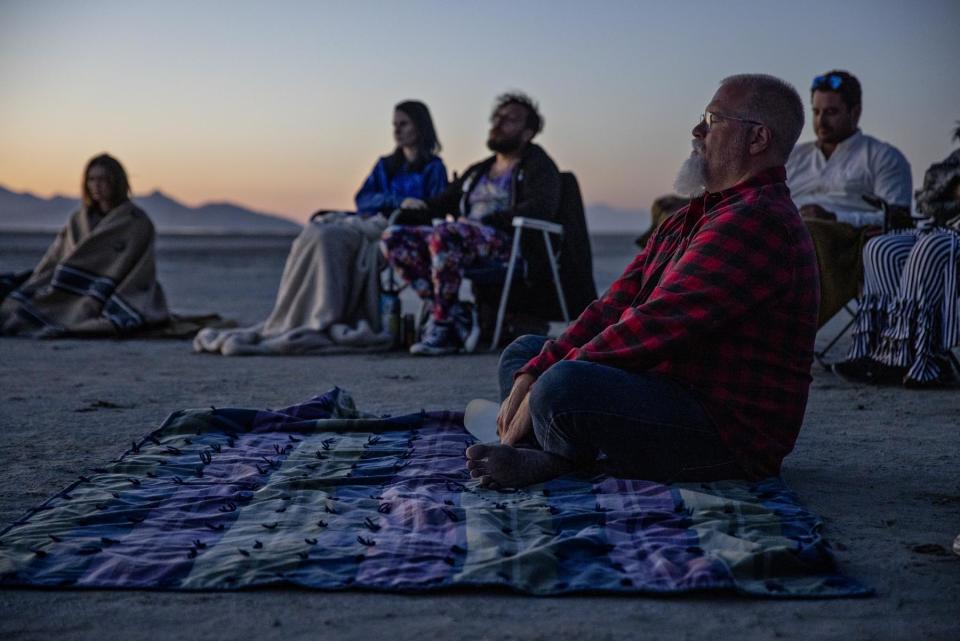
(692, 178)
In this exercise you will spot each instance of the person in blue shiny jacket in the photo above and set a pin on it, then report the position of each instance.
(413, 170)
(329, 293)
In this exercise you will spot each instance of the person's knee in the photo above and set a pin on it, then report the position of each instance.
(523, 348)
(928, 258)
(933, 249)
(882, 248)
(392, 237)
(320, 238)
(515, 356)
(443, 236)
(561, 381)
(442, 231)
(556, 429)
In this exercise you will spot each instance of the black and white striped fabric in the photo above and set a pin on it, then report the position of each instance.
(911, 300)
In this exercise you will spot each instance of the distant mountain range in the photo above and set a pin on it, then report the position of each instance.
(26, 212)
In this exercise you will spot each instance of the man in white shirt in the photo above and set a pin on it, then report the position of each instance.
(828, 178)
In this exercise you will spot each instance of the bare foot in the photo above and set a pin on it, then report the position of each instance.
(500, 466)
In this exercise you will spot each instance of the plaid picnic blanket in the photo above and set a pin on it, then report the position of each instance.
(321, 496)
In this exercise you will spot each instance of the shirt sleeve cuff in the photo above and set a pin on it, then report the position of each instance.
(533, 367)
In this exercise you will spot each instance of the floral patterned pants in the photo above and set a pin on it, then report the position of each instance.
(432, 259)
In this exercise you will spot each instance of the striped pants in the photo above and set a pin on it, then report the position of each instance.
(911, 301)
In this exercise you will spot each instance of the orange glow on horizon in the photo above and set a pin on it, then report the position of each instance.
(266, 109)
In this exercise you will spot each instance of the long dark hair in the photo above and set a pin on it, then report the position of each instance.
(428, 145)
(117, 175)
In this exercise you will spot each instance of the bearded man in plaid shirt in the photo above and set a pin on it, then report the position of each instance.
(695, 364)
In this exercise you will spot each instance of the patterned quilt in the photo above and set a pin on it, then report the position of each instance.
(322, 496)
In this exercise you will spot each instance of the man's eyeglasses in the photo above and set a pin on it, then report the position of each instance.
(831, 81)
(711, 118)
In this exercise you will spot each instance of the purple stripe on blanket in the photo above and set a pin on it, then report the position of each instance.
(386, 504)
(650, 538)
(162, 549)
(422, 535)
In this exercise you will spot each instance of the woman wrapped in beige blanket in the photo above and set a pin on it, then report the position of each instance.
(328, 301)
(98, 278)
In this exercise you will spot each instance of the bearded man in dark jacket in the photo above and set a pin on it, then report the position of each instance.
(478, 208)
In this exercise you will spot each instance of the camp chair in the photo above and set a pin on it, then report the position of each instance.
(567, 245)
(854, 312)
(888, 225)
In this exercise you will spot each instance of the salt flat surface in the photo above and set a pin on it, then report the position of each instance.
(880, 465)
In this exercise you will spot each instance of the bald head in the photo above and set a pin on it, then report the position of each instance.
(750, 125)
(773, 102)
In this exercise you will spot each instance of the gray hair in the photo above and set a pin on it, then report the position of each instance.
(776, 104)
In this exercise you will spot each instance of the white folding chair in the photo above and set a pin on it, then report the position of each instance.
(521, 223)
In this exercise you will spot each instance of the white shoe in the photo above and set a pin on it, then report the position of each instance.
(438, 338)
(467, 325)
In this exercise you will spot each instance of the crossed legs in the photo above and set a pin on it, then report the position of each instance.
(639, 425)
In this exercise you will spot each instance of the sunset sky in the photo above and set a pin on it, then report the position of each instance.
(285, 107)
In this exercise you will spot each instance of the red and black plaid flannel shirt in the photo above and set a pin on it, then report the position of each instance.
(723, 299)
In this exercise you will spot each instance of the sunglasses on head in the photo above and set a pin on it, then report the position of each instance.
(832, 80)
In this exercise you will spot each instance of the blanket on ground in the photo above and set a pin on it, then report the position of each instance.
(98, 278)
(328, 299)
(317, 495)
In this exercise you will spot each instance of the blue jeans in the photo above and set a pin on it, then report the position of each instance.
(644, 425)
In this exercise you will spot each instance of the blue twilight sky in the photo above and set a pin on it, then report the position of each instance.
(284, 106)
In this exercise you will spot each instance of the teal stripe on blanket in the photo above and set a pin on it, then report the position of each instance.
(321, 496)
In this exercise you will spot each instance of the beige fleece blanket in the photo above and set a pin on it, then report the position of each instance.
(98, 278)
(329, 295)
